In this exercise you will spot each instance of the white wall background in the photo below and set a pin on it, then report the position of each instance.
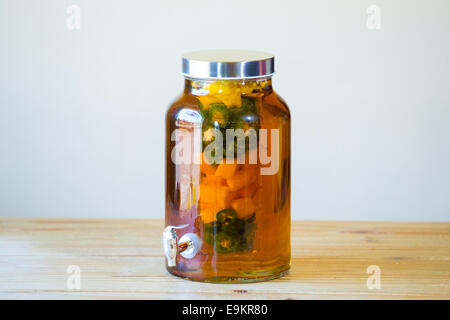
(82, 111)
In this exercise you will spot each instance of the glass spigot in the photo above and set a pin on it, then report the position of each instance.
(188, 245)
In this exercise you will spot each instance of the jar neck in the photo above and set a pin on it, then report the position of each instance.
(252, 86)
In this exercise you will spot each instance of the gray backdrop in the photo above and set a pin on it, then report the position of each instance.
(82, 110)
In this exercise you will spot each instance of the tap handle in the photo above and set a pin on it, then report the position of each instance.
(170, 244)
(187, 246)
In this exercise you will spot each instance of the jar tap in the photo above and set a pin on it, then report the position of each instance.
(187, 246)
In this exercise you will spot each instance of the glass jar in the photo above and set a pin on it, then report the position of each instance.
(228, 171)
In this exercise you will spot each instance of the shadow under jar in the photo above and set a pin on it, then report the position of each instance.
(228, 171)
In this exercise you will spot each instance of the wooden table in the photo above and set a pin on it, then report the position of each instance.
(123, 259)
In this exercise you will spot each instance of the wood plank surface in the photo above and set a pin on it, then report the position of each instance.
(123, 259)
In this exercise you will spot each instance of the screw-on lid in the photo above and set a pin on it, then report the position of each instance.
(227, 64)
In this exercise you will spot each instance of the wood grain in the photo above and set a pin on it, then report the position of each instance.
(123, 259)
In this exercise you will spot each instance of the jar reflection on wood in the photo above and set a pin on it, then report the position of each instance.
(228, 171)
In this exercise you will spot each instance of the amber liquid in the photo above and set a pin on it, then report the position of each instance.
(196, 192)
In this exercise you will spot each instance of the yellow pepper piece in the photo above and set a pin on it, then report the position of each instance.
(207, 100)
(232, 100)
(229, 92)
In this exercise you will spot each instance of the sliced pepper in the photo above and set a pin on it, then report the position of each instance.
(226, 215)
(225, 243)
(248, 104)
(219, 113)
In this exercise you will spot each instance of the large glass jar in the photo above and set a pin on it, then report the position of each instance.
(228, 171)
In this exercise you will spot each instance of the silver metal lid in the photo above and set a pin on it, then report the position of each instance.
(227, 64)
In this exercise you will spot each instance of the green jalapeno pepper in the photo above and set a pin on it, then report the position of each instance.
(219, 113)
(226, 215)
(225, 243)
